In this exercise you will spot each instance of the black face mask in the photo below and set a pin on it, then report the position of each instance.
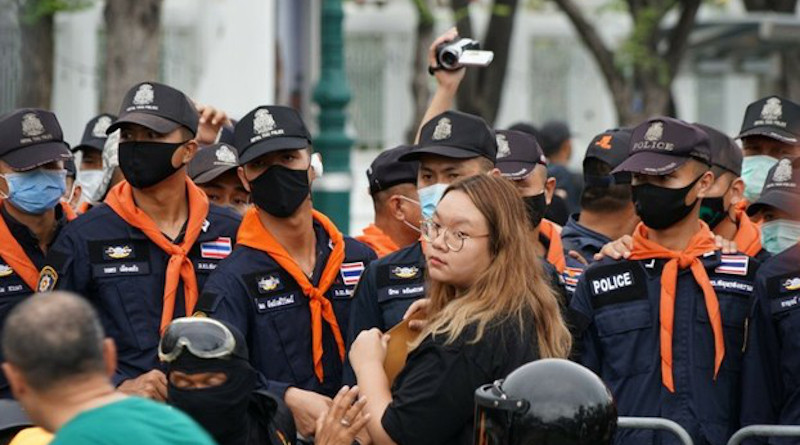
(221, 410)
(661, 207)
(536, 206)
(713, 211)
(279, 191)
(145, 164)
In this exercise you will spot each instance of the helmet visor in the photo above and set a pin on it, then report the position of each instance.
(203, 337)
(494, 414)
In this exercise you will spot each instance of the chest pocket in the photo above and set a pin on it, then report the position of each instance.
(399, 285)
(283, 322)
(734, 309)
(119, 258)
(628, 340)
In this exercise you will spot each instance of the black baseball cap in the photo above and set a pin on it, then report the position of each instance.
(456, 135)
(31, 137)
(387, 170)
(158, 107)
(94, 135)
(662, 145)
(781, 189)
(774, 117)
(270, 128)
(212, 161)
(610, 147)
(517, 153)
(725, 154)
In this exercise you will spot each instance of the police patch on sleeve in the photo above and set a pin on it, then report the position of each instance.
(47, 279)
(616, 283)
(351, 272)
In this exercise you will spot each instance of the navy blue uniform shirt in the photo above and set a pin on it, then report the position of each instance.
(122, 273)
(581, 239)
(13, 288)
(616, 307)
(252, 292)
(773, 353)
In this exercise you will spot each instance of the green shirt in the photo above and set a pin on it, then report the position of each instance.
(132, 421)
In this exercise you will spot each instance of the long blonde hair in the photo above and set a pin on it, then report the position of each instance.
(514, 284)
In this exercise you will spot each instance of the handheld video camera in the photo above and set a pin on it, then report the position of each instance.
(455, 54)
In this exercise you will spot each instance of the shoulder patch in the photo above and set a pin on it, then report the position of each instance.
(219, 249)
(5, 270)
(733, 265)
(351, 272)
(616, 283)
(571, 275)
(48, 278)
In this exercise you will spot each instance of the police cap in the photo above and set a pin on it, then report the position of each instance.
(30, 138)
(158, 107)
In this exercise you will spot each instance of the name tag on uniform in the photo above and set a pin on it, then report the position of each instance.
(277, 302)
(118, 269)
(414, 290)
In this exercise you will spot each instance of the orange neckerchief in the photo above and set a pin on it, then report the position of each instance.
(179, 267)
(13, 254)
(69, 213)
(701, 243)
(84, 207)
(378, 241)
(748, 237)
(252, 233)
(555, 252)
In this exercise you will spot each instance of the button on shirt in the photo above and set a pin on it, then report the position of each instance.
(122, 273)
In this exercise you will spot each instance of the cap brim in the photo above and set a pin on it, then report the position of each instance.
(210, 175)
(781, 200)
(439, 150)
(770, 132)
(270, 145)
(649, 163)
(32, 156)
(156, 123)
(515, 170)
(93, 145)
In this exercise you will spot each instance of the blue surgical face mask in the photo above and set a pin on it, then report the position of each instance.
(36, 191)
(779, 235)
(754, 173)
(429, 198)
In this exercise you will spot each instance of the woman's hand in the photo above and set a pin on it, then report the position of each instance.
(369, 348)
(343, 421)
(418, 313)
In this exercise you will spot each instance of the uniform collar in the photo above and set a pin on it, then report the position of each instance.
(575, 229)
(24, 236)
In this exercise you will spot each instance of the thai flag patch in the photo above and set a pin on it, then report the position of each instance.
(571, 275)
(733, 264)
(218, 249)
(351, 273)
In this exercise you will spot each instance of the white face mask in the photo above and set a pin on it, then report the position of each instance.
(90, 181)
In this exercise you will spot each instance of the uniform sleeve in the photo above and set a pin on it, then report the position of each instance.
(365, 313)
(580, 319)
(70, 259)
(761, 379)
(435, 400)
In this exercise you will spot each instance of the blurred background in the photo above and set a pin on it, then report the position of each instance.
(357, 69)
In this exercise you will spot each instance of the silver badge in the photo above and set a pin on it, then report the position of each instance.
(100, 127)
(655, 132)
(503, 150)
(225, 155)
(443, 130)
(783, 172)
(263, 122)
(772, 110)
(31, 125)
(144, 95)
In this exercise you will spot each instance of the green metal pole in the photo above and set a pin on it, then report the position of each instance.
(332, 191)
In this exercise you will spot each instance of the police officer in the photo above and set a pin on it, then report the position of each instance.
(32, 184)
(393, 188)
(665, 327)
(142, 256)
(723, 209)
(546, 402)
(777, 291)
(73, 192)
(606, 207)
(91, 150)
(213, 169)
(555, 138)
(453, 145)
(770, 131)
(289, 284)
(521, 160)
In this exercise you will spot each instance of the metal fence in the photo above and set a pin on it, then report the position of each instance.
(655, 423)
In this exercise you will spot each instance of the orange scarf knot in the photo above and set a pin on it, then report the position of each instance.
(701, 243)
(179, 266)
(252, 233)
